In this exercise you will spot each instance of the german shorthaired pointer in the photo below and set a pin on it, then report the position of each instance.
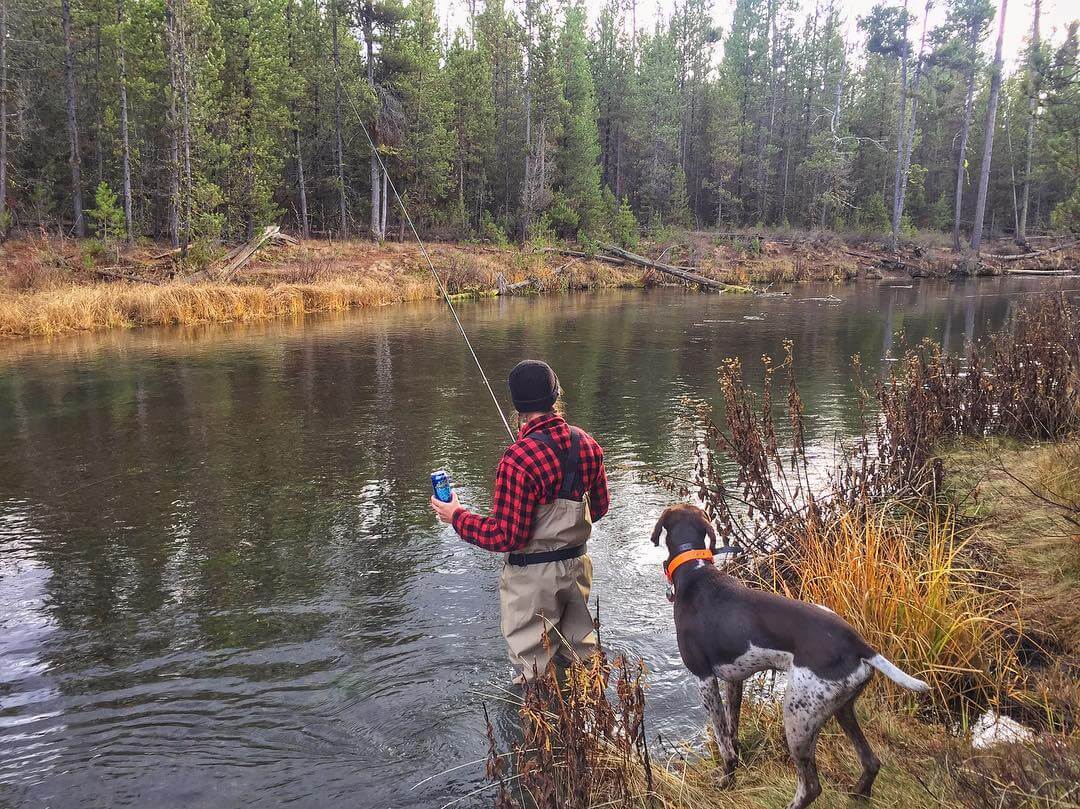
(727, 632)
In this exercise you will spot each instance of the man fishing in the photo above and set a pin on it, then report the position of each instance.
(549, 489)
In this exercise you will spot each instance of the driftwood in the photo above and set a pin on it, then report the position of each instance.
(504, 288)
(676, 272)
(241, 255)
(1020, 256)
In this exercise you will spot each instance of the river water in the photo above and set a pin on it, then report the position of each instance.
(220, 581)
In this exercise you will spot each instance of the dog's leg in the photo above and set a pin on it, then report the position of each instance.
(733, 705)
(845, 716)
(805, 712)
(714, 706)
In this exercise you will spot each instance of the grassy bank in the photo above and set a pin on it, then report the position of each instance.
(51, 286)
(949, 537)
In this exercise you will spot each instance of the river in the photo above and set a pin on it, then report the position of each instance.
(220, 580)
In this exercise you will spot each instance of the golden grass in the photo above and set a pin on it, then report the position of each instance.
(82, 308)
(902, 581)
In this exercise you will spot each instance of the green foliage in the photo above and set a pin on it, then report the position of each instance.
(107, 215)
(579, 151)
(492, 231)
(561, 217)
(777, 117)
(1066, 214)
(622, 224)
(939, 215)
(872, 216)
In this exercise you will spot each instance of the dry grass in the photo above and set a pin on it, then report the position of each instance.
(82, 308)
(48, 287)
(903, 582)
(584, 746)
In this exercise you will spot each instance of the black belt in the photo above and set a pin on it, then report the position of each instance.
(561, 555)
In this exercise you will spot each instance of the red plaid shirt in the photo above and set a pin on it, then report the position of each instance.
(528, 476)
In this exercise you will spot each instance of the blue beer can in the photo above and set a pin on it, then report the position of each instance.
(440, 483)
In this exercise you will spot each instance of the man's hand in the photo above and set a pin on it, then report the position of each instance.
(445, 511)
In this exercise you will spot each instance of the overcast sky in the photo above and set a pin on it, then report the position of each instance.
(1056, 15)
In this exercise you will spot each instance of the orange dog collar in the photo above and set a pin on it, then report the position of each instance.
(687, 556)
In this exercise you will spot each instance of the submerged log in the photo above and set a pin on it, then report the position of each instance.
(675, 272)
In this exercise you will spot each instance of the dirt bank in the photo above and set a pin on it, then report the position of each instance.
(51, 286)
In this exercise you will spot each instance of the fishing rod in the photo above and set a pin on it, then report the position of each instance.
(438, 280)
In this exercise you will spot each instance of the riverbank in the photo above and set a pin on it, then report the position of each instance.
(52, 286)
(1017, 526)
(949, 537)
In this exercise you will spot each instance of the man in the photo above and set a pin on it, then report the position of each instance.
(549, 488)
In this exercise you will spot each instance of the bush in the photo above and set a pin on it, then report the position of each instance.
(490, 230)
(624, 226)
(107, 215)
(561, 218)
(872, 217)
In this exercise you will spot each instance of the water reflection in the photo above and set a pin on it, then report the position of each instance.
(219, 580)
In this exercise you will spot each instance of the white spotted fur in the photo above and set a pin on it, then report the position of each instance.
(809, 702)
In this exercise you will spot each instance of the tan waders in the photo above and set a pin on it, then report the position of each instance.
(546, 585)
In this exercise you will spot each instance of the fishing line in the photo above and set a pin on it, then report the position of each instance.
(438, 280)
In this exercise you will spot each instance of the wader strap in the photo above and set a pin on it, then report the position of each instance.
(569, 460)
(561, 555)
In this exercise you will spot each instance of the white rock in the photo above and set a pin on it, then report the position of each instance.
(992, 728)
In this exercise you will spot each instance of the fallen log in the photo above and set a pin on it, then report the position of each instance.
(1019, 256)
(675, 272)
(1035, 271)
(578, 254)
(240, 255)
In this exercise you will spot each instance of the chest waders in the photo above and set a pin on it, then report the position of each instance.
(545, 586)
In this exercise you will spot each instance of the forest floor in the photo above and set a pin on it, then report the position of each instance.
(51, 286)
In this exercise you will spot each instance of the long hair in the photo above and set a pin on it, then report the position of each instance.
(556, 408)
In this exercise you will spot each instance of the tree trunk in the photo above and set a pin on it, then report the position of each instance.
(186, 187)
(74, 158)
(988, 142)
(3, 120)
(1033, 108)
(302, 191)
(173, 117)
(909, 141)
(901, 127)
(125, 147)
(338, 148)
(961, 160)
(378, 206)
(767, 132)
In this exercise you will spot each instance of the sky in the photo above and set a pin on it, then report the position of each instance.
(1056, 15)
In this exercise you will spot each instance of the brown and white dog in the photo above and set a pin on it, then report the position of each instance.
(727, 632)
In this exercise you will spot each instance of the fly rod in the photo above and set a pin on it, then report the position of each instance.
(438, 280)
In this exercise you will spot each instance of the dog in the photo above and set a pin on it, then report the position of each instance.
(727, 632)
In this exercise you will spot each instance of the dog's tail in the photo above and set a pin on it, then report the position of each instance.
(896, 675)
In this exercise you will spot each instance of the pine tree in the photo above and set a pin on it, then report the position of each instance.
(579, 150)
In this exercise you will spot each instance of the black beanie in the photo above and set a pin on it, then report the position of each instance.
(533, 386)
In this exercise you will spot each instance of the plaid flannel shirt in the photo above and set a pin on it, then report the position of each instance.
(528, 476)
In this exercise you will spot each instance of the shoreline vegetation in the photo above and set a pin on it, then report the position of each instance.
(52, 286)
(949, 537)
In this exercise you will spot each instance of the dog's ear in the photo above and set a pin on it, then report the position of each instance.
(659, 528)
(711, 531)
